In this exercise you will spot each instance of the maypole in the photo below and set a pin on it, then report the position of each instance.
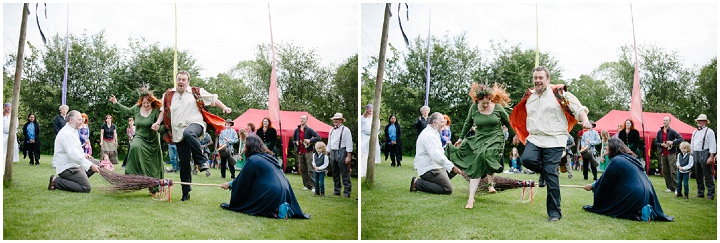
(175, 62)
(11, 143)
(537, 38)
(370, 174)
(67, 50)
(427, 70)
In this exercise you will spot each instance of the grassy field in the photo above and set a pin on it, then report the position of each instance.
(31, 212)
(391, 212)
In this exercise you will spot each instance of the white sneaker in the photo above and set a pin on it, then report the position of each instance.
(668, 190)
(313, 190)
(304, 188)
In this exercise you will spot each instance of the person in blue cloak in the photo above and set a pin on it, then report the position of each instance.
(624, 190)
(261, 188)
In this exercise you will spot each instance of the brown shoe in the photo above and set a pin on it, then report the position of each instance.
(413, 184)
(51, 185)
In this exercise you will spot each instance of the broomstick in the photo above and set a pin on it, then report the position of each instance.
(129, 182)
(504, 183)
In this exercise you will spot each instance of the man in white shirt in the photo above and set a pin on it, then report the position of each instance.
(433, 167)
(340, 146)
(542, 120)
(704, 148)
(71, 163)
(187, 124)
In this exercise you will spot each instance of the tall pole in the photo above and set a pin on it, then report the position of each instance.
(15, 100)
(370, 175)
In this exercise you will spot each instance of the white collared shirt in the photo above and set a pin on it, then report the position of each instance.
(68, 150)
(429, 154)
(184, 111)
(334, 142)
(696, 141)
(546, 121)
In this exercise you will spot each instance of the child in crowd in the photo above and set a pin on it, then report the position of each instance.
(320, 163)
(105, 162)
(684, 164)
(515, 161)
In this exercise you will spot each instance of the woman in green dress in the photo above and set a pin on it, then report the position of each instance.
(145, 153)
(480, 155)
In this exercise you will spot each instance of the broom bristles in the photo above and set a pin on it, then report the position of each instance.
(128, 182)
(504, 183)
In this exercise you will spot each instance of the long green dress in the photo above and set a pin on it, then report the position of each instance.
(145, 154)
(480, 154)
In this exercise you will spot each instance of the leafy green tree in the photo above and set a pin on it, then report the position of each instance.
(703, 98)
(513, 66)
(342, 96)
(665, 84)
(595, 95)
(151, 64)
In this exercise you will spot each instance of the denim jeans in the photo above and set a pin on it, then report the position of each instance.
(319, 182)
(172, 153)
(683, 177)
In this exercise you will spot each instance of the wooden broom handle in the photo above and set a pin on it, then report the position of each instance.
(197, 184)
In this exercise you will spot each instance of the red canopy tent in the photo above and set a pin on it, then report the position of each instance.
(290, 120)
(653, 122)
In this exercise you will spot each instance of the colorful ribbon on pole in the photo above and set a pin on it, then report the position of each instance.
(67, 50)
(427, 71)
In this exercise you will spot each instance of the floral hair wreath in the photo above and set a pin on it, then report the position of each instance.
(496, 93)
(144, 89)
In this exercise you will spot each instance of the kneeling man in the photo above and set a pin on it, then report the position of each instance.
(71, 164)
(435, 170)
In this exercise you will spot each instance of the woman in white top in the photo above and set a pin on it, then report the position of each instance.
(6, 133)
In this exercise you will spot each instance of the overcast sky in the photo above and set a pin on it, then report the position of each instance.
(218, 35)
(580, 36)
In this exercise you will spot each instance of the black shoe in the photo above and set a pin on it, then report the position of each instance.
(413, 185)
(553, 219)
(392, 165)
(686, 196)
(185, 197)
(541, 183)
(204, 167)
(51, 185)
(700, 195)
(678, 194)
(711, 197)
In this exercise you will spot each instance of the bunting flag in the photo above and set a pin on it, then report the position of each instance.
(67, 50)
(537, 38)
(273, 101)
(427, 71)
(175, 62)
(636, 100)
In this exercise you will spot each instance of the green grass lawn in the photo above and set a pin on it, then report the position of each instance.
(391, 212)
(31, 212)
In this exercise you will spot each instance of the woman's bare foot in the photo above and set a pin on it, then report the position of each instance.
(491, 189)
(470, 204)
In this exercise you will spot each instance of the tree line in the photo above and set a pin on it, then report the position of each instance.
(666, 84)
(98, 69)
